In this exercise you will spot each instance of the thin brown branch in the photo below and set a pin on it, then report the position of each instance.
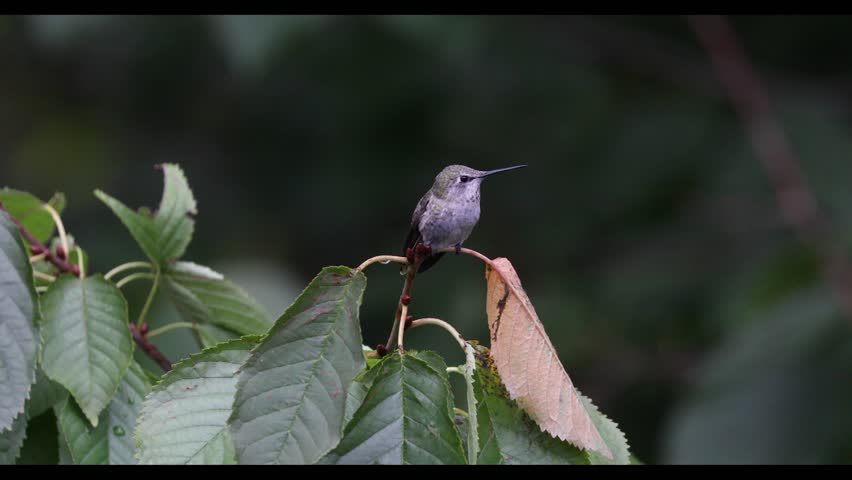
(606, 42)
(414, 259)
(141, 339)
(795, 199)
(38, 248)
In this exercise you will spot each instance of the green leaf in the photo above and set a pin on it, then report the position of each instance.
(153, 378)
(44, 395)
(184, 419)
(406, 418)
(369, 351)
(358, 391)
(291, 396)
(64, 451)
(507, 435)
(111, 441)
(354, 398)
(470, 394)
(87, 346)
(612, 436)
(204, 296)
(211, 335)
(12, 439)
(172, 220)
(165, 235)
(141, 227)
(29, 211)
(18, 311)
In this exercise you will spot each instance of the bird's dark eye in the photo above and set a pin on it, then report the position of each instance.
(464, 178)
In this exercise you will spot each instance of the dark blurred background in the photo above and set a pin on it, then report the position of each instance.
(645, 230)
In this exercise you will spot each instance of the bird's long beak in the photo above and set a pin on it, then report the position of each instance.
(492, 172)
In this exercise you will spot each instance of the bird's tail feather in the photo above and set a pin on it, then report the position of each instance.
(429, 261)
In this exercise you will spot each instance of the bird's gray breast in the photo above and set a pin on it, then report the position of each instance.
(446, 223)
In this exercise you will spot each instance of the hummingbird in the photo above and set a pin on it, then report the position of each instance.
(446, 214)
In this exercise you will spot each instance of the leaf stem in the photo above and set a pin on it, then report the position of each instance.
(446, 326)
(401, 329)
(469, 252)
(383, 259)
(490, 263)
(37, 258)
(59, 226)
(80, 261)
(127, 266)
(151, 295)
(124, 281)
(171, 326)
(44, 276)
(459, 411)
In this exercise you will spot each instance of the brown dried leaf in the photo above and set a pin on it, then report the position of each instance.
(529, 365)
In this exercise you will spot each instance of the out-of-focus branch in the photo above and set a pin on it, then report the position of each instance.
(606, 42)
(775, 154)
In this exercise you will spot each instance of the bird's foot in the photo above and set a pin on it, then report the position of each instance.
(458, 248)
(423, 249)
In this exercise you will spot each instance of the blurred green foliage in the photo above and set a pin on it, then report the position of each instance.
(645, 231)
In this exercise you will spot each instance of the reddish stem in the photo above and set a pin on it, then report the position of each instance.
(141, 339)
(415, 258)
(38, 248)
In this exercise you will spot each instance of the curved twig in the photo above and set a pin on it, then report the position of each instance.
(381, 259)
(796, 201)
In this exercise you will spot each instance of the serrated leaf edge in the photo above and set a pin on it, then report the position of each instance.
(191, 359)
(37, 319)
(276, 326)
(124, 369)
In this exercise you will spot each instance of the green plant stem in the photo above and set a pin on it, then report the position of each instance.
(44, 276)
(171, 326)
(469, 367)
(383, 259)
(446, 326)
(38, 258)
(401, 330)
(124, 281)
(127, 266)
(80, 261)
(59, 226)
(141, 320)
